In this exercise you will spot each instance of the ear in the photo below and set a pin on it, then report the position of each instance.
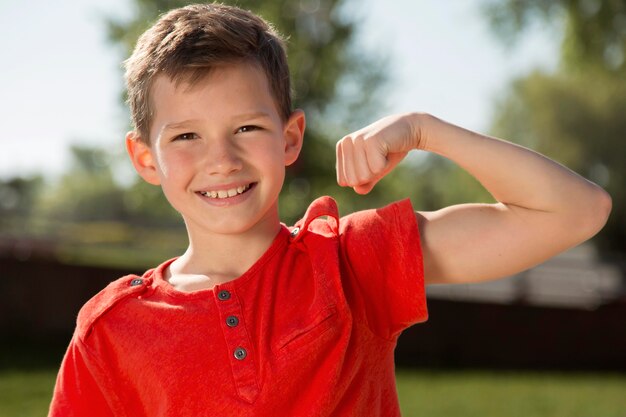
(141, 156)
(294, 135)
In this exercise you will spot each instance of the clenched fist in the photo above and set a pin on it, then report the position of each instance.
(367, 155)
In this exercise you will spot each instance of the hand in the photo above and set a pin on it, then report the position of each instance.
(367, 155)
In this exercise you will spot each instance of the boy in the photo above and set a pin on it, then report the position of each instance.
(257, 319)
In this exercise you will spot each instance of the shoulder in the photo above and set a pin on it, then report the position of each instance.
(106, 299)
(377, 237)
(322, 218)
(393, 226)
(394, 217)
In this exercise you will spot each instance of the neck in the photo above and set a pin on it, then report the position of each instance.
(223, 257)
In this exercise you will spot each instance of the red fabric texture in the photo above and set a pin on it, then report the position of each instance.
(317, 317)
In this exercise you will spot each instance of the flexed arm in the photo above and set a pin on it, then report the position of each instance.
(542, 207)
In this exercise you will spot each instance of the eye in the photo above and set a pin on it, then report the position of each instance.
(186, 136)
(247, 128)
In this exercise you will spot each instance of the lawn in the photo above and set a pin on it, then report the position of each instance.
(422, 393)
(511, 394)
(25, 393)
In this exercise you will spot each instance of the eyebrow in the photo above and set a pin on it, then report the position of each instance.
(253, 115)
(243, 116)
(178, 125)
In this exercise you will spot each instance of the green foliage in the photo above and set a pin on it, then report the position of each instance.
(594, 30)
(86, 192)
(18, 196)
(18, 199)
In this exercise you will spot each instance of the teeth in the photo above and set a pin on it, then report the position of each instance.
(225, 193)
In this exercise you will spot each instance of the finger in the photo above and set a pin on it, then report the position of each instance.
(347, 150)
(339, 165)
(360, 166)
(364, 188)
(376, 156)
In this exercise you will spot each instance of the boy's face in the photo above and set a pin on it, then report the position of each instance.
(219, 149)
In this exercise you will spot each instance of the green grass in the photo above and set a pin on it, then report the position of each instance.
(26, 393)
(511, 394)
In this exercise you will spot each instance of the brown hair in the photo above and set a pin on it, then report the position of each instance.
(186, 43)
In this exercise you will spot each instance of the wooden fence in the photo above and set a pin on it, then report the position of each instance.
(39, 300)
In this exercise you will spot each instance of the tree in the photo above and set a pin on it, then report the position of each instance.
(18, 197)
(594, 31)
(86, 192)
(574, 115)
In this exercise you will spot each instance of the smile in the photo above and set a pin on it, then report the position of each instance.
(226, 193)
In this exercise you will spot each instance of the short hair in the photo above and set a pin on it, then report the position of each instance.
(186, 43)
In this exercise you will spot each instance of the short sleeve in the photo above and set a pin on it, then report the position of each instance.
(80, 388)
(382, 261)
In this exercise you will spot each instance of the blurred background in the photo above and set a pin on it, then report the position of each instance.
(550, 75)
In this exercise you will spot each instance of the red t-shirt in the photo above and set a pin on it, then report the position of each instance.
(309, 330)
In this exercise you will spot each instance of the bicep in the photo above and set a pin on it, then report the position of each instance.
(478, 242)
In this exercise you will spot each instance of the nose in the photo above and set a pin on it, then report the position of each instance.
(223, 157)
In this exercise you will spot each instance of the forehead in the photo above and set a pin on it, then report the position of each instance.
(224, 90)
(224, 79)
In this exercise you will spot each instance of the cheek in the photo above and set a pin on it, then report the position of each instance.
(175, 165)
(275, 161)
(269, 151)
(175, 173)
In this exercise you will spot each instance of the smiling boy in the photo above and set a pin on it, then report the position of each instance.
(219, 150)
(259, 319)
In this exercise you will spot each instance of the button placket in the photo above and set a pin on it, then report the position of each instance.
(238, 342)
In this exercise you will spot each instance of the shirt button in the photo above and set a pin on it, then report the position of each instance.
(223, 295)
(232, 321)
(295, 231)
(240, 353)
(136, 281)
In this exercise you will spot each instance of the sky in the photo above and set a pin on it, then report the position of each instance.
(60, 80)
